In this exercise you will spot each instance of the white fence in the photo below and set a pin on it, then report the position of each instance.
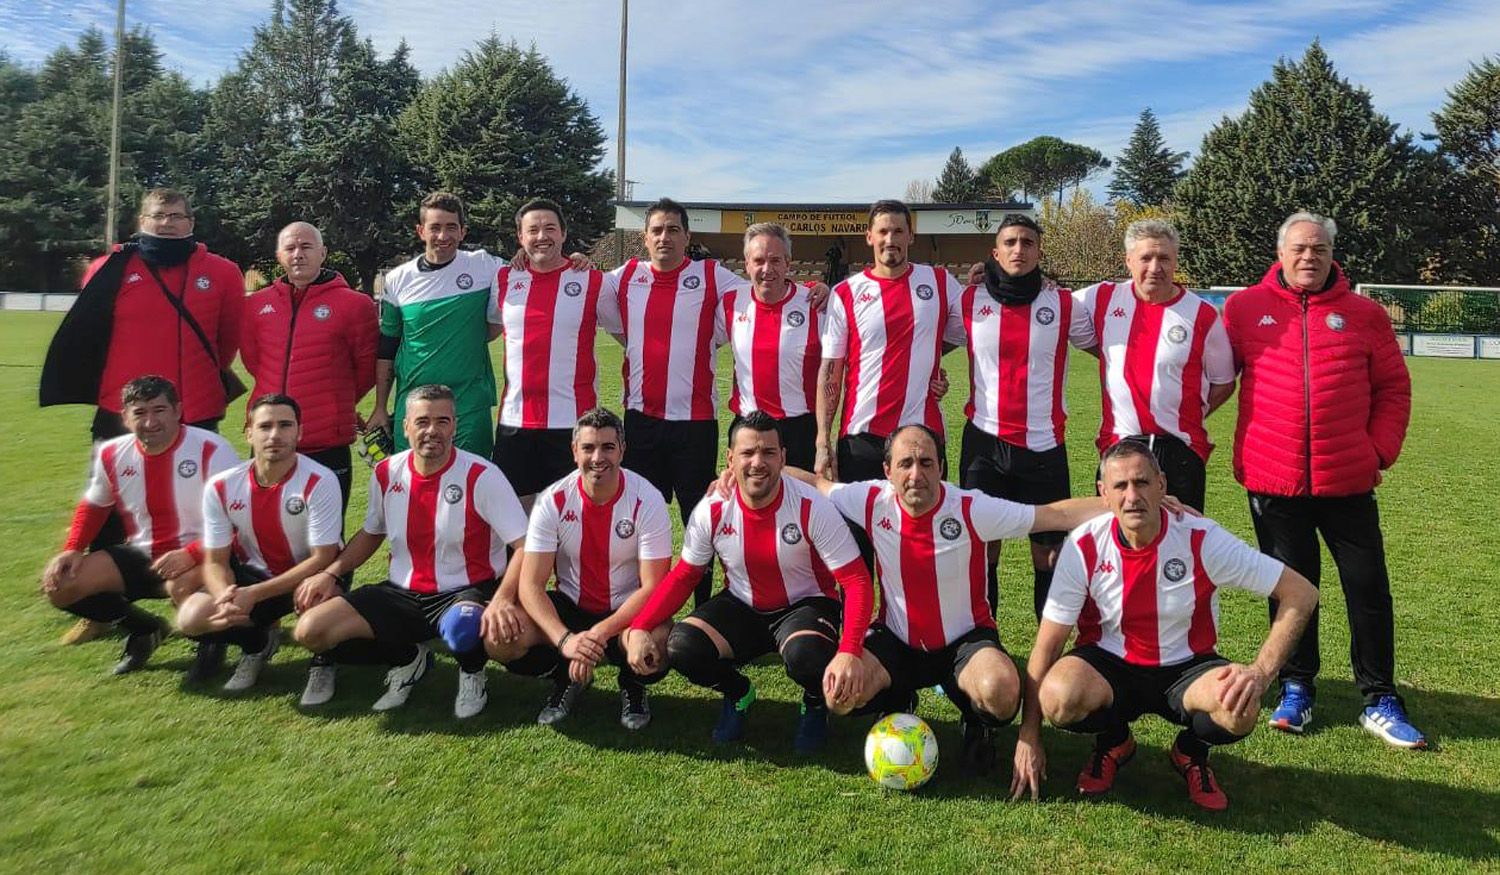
(52, 302)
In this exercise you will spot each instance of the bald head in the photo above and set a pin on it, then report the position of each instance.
(300, 251)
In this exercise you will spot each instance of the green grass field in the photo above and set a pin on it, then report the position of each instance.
(135, 774)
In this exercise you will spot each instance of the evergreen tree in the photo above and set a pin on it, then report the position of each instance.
(1147, 170)
(500, 128)
(1467, 247)
(1041, 166)
(957, 183)
(1308, 141)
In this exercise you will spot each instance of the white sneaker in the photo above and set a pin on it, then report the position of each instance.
(400, 680)
(472, 695)
(319, 689)
(247, 672)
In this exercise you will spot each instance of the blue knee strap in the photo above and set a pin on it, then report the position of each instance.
(459, 626)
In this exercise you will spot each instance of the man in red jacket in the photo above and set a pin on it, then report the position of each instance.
(1325, 402)
(310, 336)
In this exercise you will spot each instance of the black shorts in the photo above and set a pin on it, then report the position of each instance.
(135, 569)
(266, 611)
(1004, 470)
(860, 457)
(577, 620)
(1187, 474)
(341, 463)
(752, 634)
(1143, 689)
(400, 616)
(533, 458)
(680, 457)
(912, 669)
(799, 437)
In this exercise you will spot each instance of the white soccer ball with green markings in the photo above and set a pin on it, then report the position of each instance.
(901, 752)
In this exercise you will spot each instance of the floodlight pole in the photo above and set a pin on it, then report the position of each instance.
(619, 130)
(114, 131)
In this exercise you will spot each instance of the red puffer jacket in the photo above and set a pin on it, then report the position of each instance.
(318, 347)
(1325, 397)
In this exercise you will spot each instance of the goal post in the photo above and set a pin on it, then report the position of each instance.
(1445, 321)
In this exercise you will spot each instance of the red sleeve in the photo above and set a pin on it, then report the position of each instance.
(231, 315)
(88, 519)
(859, 600)
(366, 334)
(669, 595)
(195, 550)
(1390, 394)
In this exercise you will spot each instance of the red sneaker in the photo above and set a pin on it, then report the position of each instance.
(1099, 772)
(1203, 788)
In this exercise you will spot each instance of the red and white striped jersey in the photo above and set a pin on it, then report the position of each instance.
(1018, 364)
(277, 526)
(776, 352)
(776, 555)
(449, 530)
(672, 326)
(549, 322)
(159, 498)
(599, 547)
(933, 568)
(1157, 363)
(1158, 605)
(891, 333)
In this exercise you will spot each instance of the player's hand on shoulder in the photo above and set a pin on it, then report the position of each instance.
(1177, 509)
(580, 261)
(976, 273)
(817, 296)
(721, 486)
(1030, 768)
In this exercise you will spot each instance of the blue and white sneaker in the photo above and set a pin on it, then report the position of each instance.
(1387, 720)
(1294, 712)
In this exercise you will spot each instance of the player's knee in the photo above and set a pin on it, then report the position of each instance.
(1062, 703)
(179, 588)
(689, 647)
(312, 634)
(194, 613)
(459, 627)
(806, 658)
(998, 695)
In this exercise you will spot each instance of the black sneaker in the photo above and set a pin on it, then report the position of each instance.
(208, 660)
(979, 747)
(635, 706)
(138, 648)
(560, 701)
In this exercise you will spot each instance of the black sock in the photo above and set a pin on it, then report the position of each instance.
(1204, 729)
(1041, 584)
(471, 661)
(693, 654)
(368, 651)
(1104, 723)
(102, 607)
(1113, 736)
(1190, 744)
(251, 639)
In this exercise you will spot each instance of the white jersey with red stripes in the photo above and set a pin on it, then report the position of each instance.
(1157, 362)
(672, 326)
(275, 527)
(599, 547)
(1158, 605)
(549, 321)
(775, 555)
(159, 498)
(933, 568)
(1018, 363)
(890, 333)
(448, 530)
(776, 349)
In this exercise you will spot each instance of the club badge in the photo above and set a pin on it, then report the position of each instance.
(1045, 316)
(453, 493)
(1175, 570)
(187, 468)
(464, 281)
(950, 529)
(1177, 334)
(624, 529)
(791, 534)
(795, 318)
(573, 288)
(924, 291)
(295, 505)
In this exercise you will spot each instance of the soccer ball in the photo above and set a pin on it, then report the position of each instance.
(901, 752)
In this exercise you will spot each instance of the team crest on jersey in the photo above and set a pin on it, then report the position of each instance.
(453, 493)
(464, 281)
(1175, 570)
(202, 284)
(295, 505)
(133, 278)
(1177, 334)
(322, 312)
(624, 529)
(573, 288)
(796, 318)
(950, 529)
(1045, 315)
(791, 534)
(690, 282)
(187, 468)
(1335, 321)
(924, 291)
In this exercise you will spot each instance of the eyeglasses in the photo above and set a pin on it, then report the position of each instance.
(166, 217)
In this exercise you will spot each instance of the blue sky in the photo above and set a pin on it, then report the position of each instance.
(790, 100)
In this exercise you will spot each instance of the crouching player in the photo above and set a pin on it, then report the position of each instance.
(1142, 589)
(153, 478)
(281, 512)
(777, 540)
(604, 531)
(449, 515)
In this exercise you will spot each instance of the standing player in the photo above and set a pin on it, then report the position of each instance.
(1164, 359)
(669, 307)
(1017, 325)
(936, 625)
(883, 337)
(606, 534)
(449, 515)
(772, 331)
(153, 477)
(282, 514)
(1142, 589)
(783, 549)
(550, 313)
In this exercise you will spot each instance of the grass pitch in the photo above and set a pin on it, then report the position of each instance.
(132, 774)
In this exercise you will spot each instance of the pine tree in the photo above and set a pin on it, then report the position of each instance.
(1308, 141)
(1468, 136)
(957, 183)
(1147, 171)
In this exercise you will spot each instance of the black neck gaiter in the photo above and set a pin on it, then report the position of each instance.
(1009, 289)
